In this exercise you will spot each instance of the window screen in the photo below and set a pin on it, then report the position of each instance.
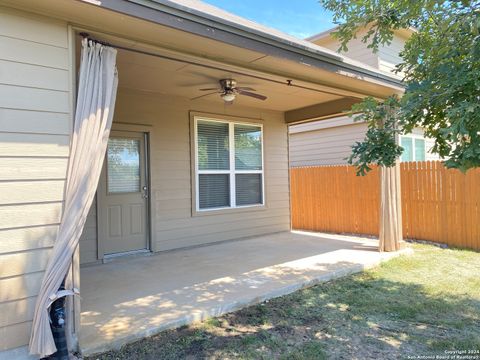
(407, 146)
(419, 150)
(248, 147)
(123, 165)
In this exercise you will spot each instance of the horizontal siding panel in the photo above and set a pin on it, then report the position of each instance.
(12, 144)
(31, 192)
(162, 175)
(330, 133)
(20, 287)
(33, 53)
(30, 169)
(223, 236)
(24, 262)
(15, 335)
(15, 312)
(326, 146)
(17, 97)
(323, 153)
(27, 239)
(169, 214)
(326, 141)
(12, 216)
(233, 225)
(14, 73)
(173, 194)
(198, 222)
(20, 24)
(26, 121)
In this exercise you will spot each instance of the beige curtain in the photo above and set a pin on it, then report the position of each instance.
(97, 88)
(391, 235)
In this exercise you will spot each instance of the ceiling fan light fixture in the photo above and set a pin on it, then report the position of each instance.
(228, 96)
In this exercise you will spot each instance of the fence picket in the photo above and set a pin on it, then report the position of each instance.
(437, 204)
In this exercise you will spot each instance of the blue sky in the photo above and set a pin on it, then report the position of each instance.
(301, 18)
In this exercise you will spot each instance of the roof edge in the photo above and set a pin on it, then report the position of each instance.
(192, 14)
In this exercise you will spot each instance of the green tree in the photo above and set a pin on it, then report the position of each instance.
(441, 69)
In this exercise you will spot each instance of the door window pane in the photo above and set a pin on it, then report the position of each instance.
(419, 150)
(248, 147)
(407, 146)
(214, 190)
(123, 165)
(248, 189)
(213, 152)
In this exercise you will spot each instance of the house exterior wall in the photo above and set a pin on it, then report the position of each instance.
(313, 146)
(385, 59)
(329, 142)
(389, 55)
(35, 123)
(357, 50)
(175, 224)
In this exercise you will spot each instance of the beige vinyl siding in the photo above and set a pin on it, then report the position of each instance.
(385, 59)
(329, 146)
(35, 122)
(389, 55)
(357, 50)
(174, 224)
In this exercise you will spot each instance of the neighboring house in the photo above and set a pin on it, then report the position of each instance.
(182, 171)
(328, 142)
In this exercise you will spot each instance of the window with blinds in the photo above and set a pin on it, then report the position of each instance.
(229, 164)
(123, 165)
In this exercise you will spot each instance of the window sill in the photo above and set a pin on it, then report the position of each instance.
(225, 211)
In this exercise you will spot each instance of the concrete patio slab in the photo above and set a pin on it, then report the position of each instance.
(132, 298)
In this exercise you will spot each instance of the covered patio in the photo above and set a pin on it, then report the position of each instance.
(131, 298)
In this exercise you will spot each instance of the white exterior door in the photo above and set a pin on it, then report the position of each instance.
(122, 195)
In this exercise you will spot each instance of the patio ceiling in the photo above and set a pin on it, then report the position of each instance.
(166, 77)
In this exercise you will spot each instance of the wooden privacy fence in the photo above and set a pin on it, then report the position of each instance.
(437, 204)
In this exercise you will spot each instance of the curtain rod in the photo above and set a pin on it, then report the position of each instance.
(287, 82)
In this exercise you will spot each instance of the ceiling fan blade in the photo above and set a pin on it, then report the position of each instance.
(245, 88)
(209, 89)
(198, 97)
(256, 96)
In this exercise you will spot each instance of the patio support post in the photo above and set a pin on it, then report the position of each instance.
(391, 234)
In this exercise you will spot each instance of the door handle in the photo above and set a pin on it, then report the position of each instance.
(145, 192)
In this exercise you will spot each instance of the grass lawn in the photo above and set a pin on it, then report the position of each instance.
(422, 304)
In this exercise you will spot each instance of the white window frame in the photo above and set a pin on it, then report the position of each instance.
(415, 137)
(232, 172)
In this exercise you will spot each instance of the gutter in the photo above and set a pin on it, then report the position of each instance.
(182, 17)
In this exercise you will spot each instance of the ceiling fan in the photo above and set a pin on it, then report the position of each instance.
(228, 91)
